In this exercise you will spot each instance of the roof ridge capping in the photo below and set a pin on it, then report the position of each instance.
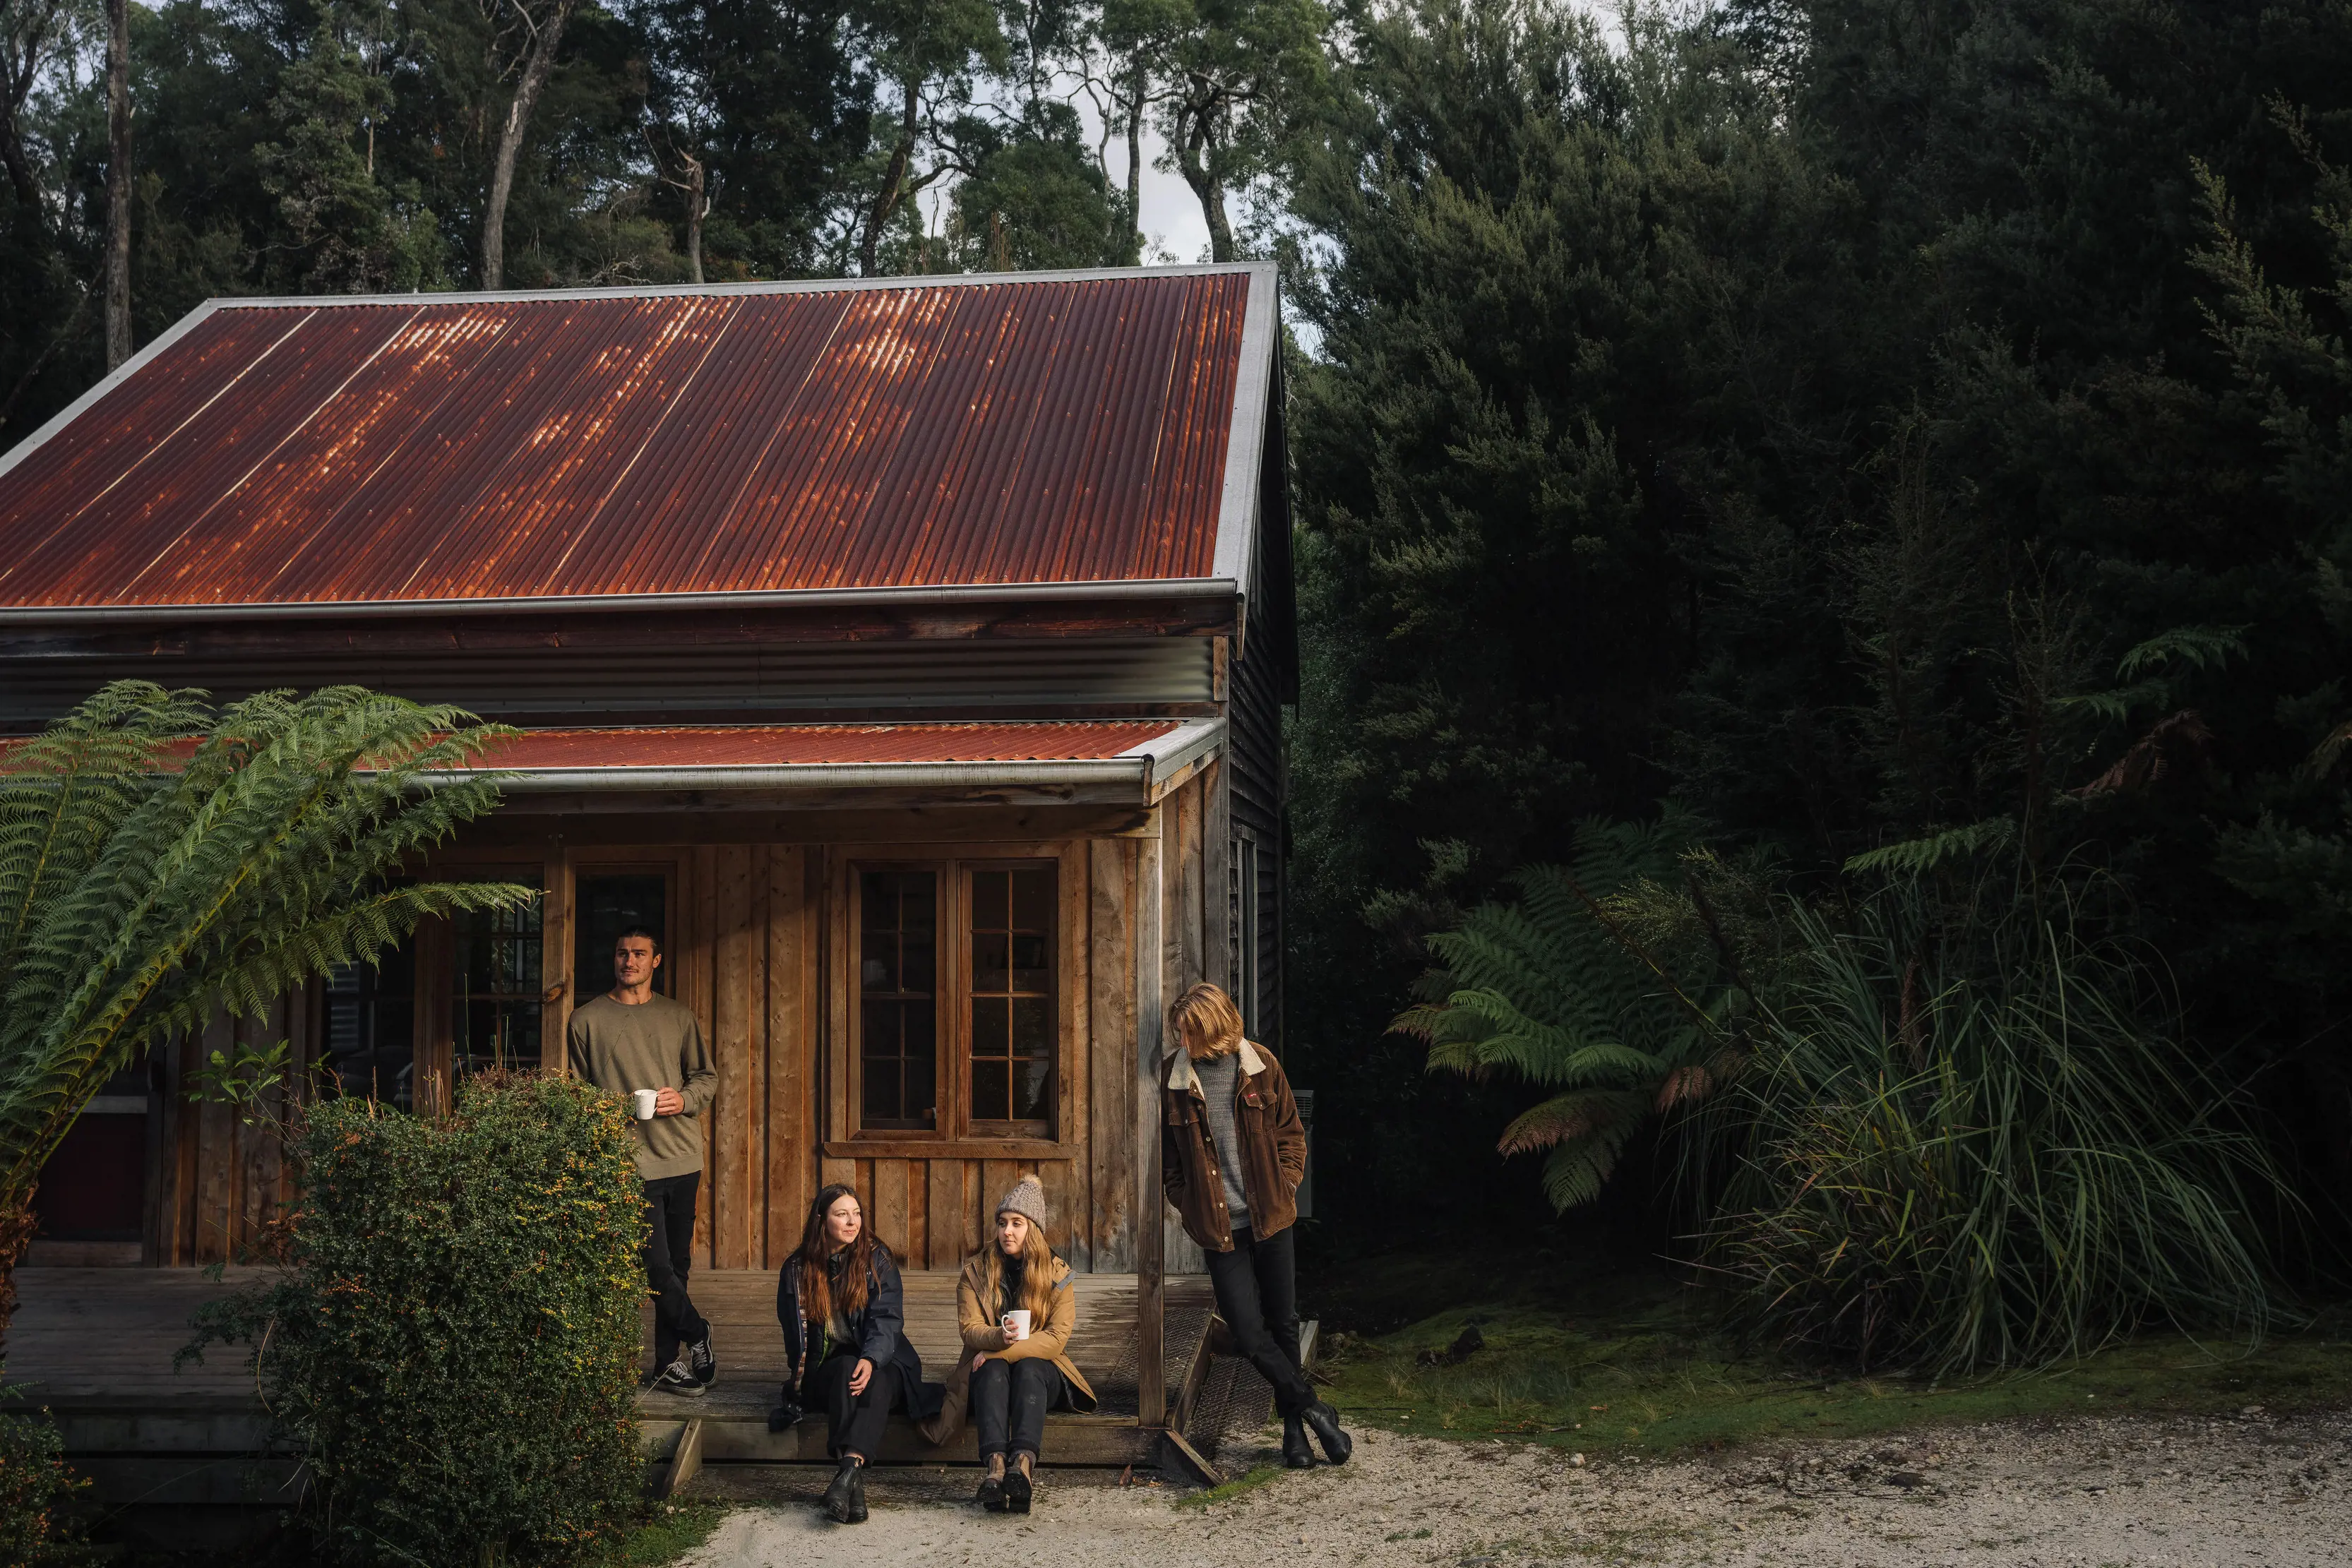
(1254, 269)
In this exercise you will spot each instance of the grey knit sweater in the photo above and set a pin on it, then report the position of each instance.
(1218, 1089)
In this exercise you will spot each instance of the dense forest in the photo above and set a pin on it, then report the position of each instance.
(1819, 520)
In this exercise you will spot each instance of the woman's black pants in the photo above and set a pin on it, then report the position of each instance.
(1256, 1286)
(1009, 1401)
(852, 1422)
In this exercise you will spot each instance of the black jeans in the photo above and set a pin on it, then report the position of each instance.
(1009, 1401)
(1256, 1285)
(852, 1422)
(670, 1255)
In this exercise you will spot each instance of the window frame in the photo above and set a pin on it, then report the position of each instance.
(943, 959)
(954, 1131)
(586, 867)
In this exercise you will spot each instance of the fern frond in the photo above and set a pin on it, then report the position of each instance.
(161, 860)
(1917, 857)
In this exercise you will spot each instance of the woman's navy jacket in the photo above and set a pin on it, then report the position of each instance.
(879, 1328)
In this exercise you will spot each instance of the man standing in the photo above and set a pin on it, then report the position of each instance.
(631, 1039)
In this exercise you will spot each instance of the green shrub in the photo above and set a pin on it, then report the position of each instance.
(1982, 1159)
(454, 1347)
(1941, 1124)
(38, 1527)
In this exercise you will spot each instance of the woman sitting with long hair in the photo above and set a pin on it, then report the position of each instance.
(1017, 1309)
(844, 1314)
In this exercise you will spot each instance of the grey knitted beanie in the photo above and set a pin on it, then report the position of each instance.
(1026, 1197)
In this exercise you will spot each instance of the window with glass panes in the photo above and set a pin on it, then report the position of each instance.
(897, 962)
(495, 1001)
(370, 1045)
(1013, 1015)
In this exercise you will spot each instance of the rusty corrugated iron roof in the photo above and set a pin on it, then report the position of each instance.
(436, 449)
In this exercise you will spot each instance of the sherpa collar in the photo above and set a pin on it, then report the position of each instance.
(1251, 1065)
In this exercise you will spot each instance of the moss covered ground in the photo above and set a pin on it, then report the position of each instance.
(1612, 1360)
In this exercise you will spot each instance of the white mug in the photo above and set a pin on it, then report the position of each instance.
(1016, 1322)
(641, 1103)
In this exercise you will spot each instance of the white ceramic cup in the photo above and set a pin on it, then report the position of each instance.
(1017, 1323)
(640, 1103)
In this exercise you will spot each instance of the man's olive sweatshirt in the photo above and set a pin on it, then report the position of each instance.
(655, 1044)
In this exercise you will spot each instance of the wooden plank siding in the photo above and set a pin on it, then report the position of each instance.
(759, 946)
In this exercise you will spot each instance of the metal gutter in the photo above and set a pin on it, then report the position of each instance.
(1145, 766)
(775, 599)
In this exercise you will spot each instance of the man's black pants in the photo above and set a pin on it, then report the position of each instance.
(1009, 1401)
(670, 1255)
(852, 1422)
(1256, 1286)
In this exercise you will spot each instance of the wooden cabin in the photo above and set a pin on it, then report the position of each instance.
(909, 653)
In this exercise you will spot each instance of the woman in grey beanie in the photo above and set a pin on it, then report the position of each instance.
(1017, 1308)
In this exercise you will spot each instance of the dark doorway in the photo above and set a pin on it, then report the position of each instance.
(607, 903)
(94, 1186)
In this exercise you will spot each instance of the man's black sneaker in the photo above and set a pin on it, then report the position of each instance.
(678, 1377)
(705, 1365)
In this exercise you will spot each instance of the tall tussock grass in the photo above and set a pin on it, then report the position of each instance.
(1965, 1154)
(1954, 1122)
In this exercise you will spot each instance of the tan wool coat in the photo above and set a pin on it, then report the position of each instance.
(976, 1320)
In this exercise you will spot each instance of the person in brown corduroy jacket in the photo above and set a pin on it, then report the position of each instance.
(1017, 1309)
(1231, 1153)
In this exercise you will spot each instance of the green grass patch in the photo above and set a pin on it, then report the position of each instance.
(1633, 1364)
(671, 1530)
(1225, 1491)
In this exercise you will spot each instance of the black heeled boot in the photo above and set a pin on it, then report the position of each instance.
(1295, 1452)
(1324, 1422)
(844, 1501)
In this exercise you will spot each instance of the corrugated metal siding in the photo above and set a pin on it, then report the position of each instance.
(1056, 430)
(860, 677)
(1254, 753)
(777, 746)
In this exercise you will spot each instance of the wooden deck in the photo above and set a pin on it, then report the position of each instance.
(95, 1346)
(741, 1307)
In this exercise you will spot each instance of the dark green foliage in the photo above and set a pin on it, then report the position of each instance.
(1967, 1160)
(454, 1346)
(160, 860)
(1559, 990)
(38, 1527)
(1899, 434)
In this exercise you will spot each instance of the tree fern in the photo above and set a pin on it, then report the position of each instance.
(161, 859)
(1559, 990)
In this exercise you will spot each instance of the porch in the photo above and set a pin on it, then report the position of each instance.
(188, 1450)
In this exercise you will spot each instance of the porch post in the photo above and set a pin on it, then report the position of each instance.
(1150, 1205)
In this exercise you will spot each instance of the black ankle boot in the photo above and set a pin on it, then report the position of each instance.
(1017, 1486)
(856, 1496)
(838, 1504)
(1324, 1422)
(1296, 1451)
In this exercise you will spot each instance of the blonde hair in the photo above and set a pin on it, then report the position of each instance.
(1212, 1017)
(1036, 1274)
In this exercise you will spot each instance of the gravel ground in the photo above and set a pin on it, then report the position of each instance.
(2245, 1490)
